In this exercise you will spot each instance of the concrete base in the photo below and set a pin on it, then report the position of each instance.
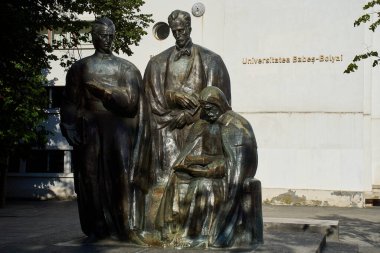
(273, 242)
(330, 228)
(280, 235)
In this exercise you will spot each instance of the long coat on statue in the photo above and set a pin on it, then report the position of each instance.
(112, 159)
(190, 74)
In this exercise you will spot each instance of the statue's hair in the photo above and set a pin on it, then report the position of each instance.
(103, 21)
(178, 13)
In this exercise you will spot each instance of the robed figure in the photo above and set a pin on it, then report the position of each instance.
(173, 80)
(219, 162)
(104, 116)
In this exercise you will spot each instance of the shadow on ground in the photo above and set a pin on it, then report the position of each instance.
(361, 231)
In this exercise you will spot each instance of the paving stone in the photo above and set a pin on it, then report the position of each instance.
(39, 226)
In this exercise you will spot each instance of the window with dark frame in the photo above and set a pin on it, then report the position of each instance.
(45, 161)
(55, 95)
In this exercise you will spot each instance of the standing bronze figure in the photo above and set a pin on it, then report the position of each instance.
(173, 80)
(105, 117)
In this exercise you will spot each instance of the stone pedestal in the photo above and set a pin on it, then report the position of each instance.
(253, 214)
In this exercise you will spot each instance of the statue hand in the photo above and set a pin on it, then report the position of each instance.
(186, 101)
(97, 90)
(216, 169)
(178, 122)
(179, 167)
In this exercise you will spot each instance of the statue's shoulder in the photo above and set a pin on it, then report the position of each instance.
(86, 59)
(162, 57)
(238, 128)
(129, 66)
(80, 64)
(207, 53)
(235, 120)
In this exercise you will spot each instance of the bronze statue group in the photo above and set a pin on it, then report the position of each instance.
(173, 128)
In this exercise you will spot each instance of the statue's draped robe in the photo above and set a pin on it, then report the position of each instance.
(204, 195)
(189, 74)
(111, 165)
(240, 151)
(240, 161)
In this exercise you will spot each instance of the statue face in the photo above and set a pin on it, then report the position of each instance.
(102, 38)
(210, 112)
(181, 31)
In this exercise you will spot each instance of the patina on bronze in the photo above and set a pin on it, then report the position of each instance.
(173, 80)
(183, 139)
(105, 117)
(218, 163)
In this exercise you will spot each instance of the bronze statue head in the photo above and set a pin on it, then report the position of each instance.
(103, 34)
(180, 24)
(213, 102)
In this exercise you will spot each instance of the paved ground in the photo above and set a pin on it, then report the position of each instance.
(38, 226)
(360, 226)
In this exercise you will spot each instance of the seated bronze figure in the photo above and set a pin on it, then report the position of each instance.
(217, 168)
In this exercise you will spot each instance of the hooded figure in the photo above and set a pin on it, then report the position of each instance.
(240, 153)
(219, 157)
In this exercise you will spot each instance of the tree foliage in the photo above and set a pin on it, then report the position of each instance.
(26, 51)
(375, 22)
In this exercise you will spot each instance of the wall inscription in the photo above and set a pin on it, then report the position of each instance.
(294, 59)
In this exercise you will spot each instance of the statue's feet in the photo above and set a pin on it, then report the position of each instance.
(200, 242)
(165, 234)
(189, 242)
(92, 238)
(136, 237)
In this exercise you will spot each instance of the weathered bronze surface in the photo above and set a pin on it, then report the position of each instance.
(217, 167)
(173, 80)
(162, 161)
(105, 117)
